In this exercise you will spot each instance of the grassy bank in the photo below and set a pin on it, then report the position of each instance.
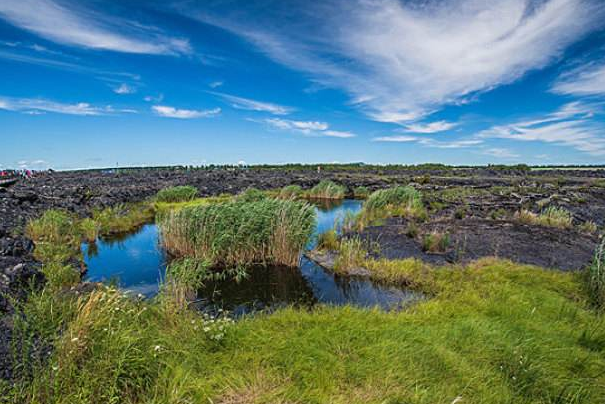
(240, 232)
(327, 190)
(494, 332)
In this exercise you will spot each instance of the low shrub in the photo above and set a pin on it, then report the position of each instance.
(269, 231)
(436, 242)
(182, 193)
(327, 190)
(595, 277)
(291, 192)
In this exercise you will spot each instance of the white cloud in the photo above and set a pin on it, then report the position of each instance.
(253, 105)
(446, 144)
(500, 153)
(215, 84)
(34, 106)
(338, 133)
(571, 125)
(71, 24)
(171, 112)
(400, 61)
(432, 127)
(588, 79)
(396, 139)
(124, 89)
(158, 98)
(314, 128)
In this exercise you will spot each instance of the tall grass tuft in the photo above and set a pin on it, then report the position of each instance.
(251, 195)
(228, 234)
(595, 277)
(361, 192)
(551, 216)
(351, 254)
(55, 227)
(327, 190)
(89, 229)
(181, 193)
(123, 218)
(291, 192)
(397, 201)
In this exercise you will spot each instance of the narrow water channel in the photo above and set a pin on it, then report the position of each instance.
(137, 262)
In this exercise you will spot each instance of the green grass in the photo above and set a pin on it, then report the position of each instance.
(54, 226)
(328, 240)
(436, 242)
(493, 333)
(361, 192)
(351, 255)
(595, 277)
(123, 218)
(327, 190)
(268, 231)
(291, 192)
(181, 193)
(551, 217)
(391, 202)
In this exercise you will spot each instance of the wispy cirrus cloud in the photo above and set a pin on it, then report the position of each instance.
(254, 105)
(70, 24)
(36, 106)
(313, 128)
(572, 125)
(400, 61)
(432, 127)
(586, 80)
(429, 142)
(172, 112)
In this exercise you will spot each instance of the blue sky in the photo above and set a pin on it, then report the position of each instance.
(95, 83)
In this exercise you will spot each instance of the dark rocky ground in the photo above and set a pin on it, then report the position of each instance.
(581, 191)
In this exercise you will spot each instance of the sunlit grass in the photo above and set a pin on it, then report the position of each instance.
(268, 231)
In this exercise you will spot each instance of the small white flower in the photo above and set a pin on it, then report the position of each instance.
(74, 339)
(157, 348)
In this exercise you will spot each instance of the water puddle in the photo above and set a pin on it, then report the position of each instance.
(137, 262)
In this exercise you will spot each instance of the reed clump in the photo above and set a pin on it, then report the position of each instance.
(182, 193)
(291, 192)
(54, 226)
(595, 277)
(361, 192)
(327, 190)
(398, 201)
(268, 231)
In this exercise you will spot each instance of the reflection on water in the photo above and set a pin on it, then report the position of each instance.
(138, 263)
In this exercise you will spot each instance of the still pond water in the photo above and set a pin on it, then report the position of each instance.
(137, 262)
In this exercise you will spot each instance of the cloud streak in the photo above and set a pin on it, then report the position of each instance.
(253, 105)
(313, 128)
(73, 25)
(586, 80)
(571, 125)
(34, 106)
(401, 61)
(172, 112)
